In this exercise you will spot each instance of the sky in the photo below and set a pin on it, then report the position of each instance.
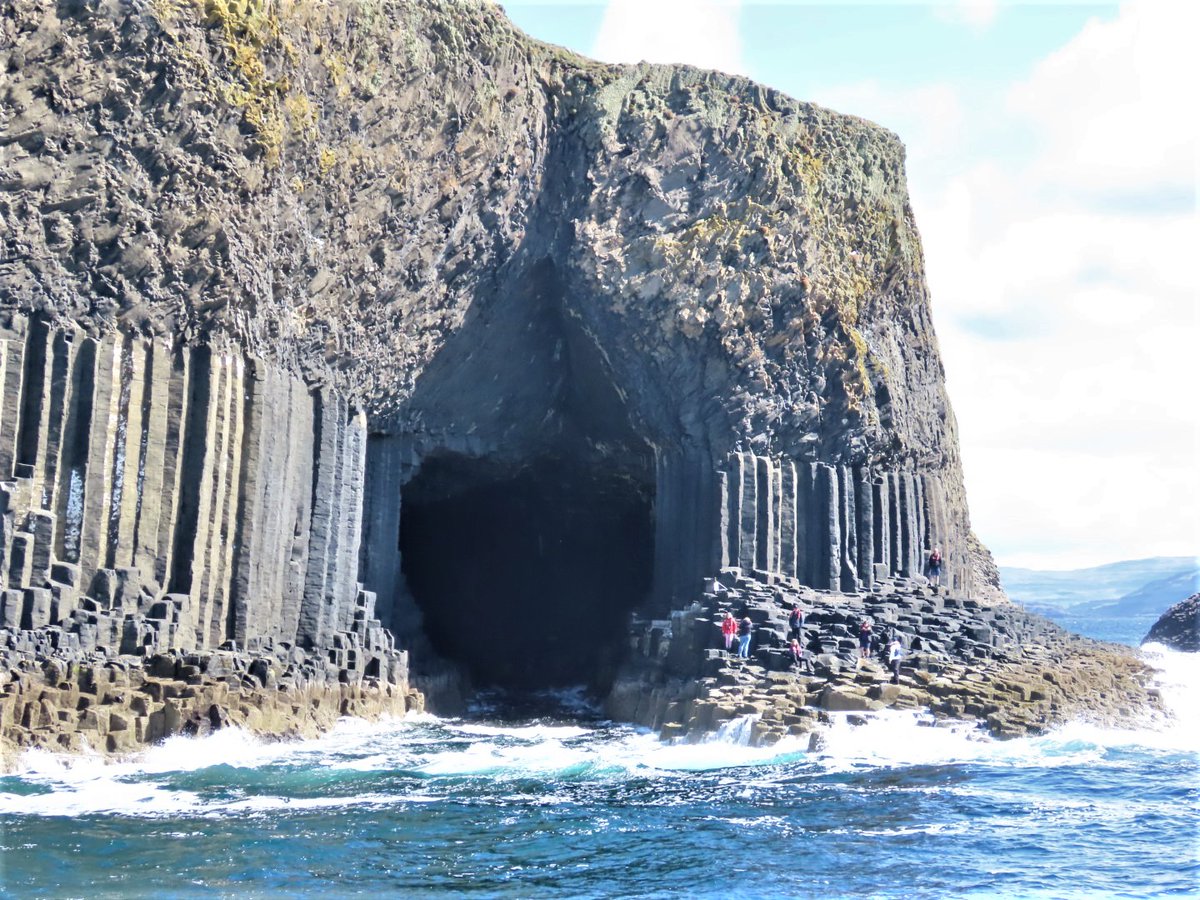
(1053, 163)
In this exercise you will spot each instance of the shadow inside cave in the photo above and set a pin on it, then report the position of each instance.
(526, 576)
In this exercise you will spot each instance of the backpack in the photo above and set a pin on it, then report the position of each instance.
(935, 558)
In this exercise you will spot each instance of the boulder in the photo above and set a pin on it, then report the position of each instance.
(843, 699)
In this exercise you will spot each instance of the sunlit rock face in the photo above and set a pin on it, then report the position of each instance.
(325, 320)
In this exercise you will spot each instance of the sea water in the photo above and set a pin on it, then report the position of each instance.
(572, 806)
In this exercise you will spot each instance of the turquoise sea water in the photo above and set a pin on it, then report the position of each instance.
(574, 807)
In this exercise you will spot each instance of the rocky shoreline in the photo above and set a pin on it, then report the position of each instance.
(1012, 672)
(65, 700)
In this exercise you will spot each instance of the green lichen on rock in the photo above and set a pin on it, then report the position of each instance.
(341, 185)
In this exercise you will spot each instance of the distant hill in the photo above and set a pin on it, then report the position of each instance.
(1113, 602)
(1157, 596)
(1136, 585)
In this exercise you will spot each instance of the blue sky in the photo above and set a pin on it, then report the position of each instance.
(1052, 162)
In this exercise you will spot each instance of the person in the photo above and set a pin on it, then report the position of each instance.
(796, 622)
(744, 631)
(895, 654)
(935, 567)
(864, 639)
(729, 627)
(800, 659)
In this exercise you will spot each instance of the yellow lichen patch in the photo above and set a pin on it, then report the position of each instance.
(254, 20)
(859, 342)
(251, 46)
(336, 67)
(165, 10)
(728, 227)
(856, 377)
(326, 160)
(301, 112)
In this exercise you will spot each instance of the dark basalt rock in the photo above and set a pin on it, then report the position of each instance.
(1011, 671)
(367, 328)
(1179, 626)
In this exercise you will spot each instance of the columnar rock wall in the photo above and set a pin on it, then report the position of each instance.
(838, 528)
(157, 496)
(422, 207)
(834, 527)
(678, 280)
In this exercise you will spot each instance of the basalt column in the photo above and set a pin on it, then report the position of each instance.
(848, 526)
(172, 496)
(864, 498)
(690, 516)
(331, 581)
(831, 527)
(276, 490)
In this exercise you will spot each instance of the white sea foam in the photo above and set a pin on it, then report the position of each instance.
(89, 783)
(435, 749)
(1178, 679)
(894, 738)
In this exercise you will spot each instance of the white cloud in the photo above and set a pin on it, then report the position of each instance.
(977, 14)
(1059, 228)
(703, 33)
(1116, 107)
(1066, 299)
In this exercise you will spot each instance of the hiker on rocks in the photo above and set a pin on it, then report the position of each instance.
(744, 631)
(935, 566)
(729, 628)
(895, 654)
(864, 640)
(796, 622)
(800, 659)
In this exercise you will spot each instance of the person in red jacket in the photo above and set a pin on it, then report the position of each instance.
(729, 629)
(934, 567)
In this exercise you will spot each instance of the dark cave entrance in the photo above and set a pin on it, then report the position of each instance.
(526, 576)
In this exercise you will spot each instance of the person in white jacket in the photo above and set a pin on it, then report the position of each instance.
(895, 654)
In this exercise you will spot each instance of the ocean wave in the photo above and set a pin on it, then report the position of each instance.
(171, 779)
(1178, 678)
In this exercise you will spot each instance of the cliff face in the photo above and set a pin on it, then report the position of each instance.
(695, 296)
(341, 185)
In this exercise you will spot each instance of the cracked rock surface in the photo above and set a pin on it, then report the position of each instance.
(341, 186)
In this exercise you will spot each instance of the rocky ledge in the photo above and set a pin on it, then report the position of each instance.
(1179, 627)
(1013, 672)
(64, 699)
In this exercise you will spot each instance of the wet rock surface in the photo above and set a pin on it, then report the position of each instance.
(1013, 672)
(56, 697)
(1179, 626)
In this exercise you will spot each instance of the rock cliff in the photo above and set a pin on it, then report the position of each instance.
(324, 320)
(1179, 626)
